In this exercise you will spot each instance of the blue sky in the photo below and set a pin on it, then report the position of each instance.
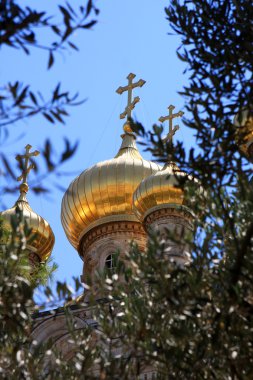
(131, 36)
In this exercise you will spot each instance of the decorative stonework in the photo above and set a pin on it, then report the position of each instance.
(113, 229)
(171, 215)
(108, 239)
(53, 327)
(178, 221)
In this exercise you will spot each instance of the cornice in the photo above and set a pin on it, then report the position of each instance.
(170, 211)
(129, 229)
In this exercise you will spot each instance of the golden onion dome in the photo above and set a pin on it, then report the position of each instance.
(41, 238)
(159, 189)
(243, 121)
(104, 192)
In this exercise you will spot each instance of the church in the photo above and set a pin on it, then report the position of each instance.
(104, 209)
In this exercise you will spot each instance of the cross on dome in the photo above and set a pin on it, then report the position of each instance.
(26, 167)
(130, 104)
(170, 117)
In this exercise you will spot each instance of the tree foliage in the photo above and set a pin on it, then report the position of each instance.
(193, 322)
(23, 28)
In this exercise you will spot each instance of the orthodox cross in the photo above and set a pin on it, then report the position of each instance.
(26, 167)
(170, 117)
(130, 104)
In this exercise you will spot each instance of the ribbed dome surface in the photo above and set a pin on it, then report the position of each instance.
(103, 193)
(41, 240)
(158, 190)
(244, 134)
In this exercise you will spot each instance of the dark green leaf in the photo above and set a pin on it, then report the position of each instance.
(89, 24)
(57, 116)
(39, 189)
(48, 117)
(33, 98)
(50, 60)
(8, 167)
(73, 46)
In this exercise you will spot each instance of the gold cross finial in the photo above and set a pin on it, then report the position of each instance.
(26, 167)
(130, 104)
(170, 117)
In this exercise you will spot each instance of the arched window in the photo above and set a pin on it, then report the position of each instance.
(109, 262)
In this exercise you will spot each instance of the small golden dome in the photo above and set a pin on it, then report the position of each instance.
(158, 190)
(41, 239)
(244, 134)
(127, 128)
(103, 193)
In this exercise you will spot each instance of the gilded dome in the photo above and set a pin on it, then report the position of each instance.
(158, 190)
(244, 134)
(41, 239)
(104, 192)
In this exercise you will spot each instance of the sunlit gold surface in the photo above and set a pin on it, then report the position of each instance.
(43, 242)
(159, 189)
(103, 193)
(245, 133)
(127, 128)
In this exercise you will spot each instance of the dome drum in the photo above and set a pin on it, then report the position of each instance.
(169, 211)
(159, 204)
(128, 229)
(175, 225)
(109, 239)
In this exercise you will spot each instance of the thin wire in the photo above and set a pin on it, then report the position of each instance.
(147, 120)
(145, 112)
(116, 136)
(102, 133)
